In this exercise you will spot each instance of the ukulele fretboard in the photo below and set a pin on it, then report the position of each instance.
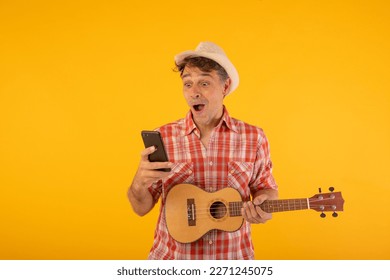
(270, 206)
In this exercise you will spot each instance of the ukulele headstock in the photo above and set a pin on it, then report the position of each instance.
(327, 202)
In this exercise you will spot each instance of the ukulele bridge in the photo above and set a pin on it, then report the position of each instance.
(191, 212)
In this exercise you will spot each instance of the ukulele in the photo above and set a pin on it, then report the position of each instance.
(191, 212)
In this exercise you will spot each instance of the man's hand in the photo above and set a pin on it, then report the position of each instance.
(138, 194)
(254, 214)
(147, 172)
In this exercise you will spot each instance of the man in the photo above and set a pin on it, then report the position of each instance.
(211, 150)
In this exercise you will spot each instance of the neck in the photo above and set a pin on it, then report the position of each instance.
(207, 127)
(206, 130)
(270, 206)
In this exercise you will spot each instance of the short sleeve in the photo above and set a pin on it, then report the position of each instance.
(262, 176)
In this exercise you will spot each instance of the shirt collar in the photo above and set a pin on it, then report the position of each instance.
(190, 125)
(226, 120)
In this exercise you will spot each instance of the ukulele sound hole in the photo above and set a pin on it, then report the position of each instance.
(218, 210)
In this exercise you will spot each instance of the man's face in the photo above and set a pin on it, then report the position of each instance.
(204, 93)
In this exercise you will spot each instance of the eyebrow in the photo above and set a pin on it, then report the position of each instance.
(202, 74)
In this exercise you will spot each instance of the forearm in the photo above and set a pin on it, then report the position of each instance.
(140, 199)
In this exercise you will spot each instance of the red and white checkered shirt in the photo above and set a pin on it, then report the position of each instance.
(237, 156)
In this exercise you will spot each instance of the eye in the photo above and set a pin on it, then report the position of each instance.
(204, 84)
(187, 84)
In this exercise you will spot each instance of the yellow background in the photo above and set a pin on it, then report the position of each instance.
(79, 80)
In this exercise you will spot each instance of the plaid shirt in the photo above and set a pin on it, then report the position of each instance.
(237, 156)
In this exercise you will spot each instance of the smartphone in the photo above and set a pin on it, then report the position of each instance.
(153, 138)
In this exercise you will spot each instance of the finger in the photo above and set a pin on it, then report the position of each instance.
(154, 169)
(262, 214)
(154, 175)
(252, 210)
(259, 200)
(158, 165)
(250, 214)
(244, 214)
(146, 152)
(255, 214)
(148, 177)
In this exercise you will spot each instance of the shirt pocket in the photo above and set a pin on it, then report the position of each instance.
(239, 176)
(181, 173)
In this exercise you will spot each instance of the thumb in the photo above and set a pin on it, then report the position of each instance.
(259, 199)
(145, 153)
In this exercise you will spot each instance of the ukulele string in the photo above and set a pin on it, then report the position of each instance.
(266, 205)
(217, 210)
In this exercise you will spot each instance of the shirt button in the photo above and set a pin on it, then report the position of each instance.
(210, 242)
(211, 163)
(189, 171)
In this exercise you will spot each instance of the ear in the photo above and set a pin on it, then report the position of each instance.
(226, 86)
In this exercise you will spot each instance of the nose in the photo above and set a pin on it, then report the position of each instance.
(195, 92)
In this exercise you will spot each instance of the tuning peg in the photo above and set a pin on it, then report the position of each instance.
(334, 215)
(323, 215)
(319, 190)
(331, 189)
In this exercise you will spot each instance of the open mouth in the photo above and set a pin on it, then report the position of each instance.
(198, 107)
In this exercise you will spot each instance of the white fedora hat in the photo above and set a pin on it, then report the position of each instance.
(216, 53)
